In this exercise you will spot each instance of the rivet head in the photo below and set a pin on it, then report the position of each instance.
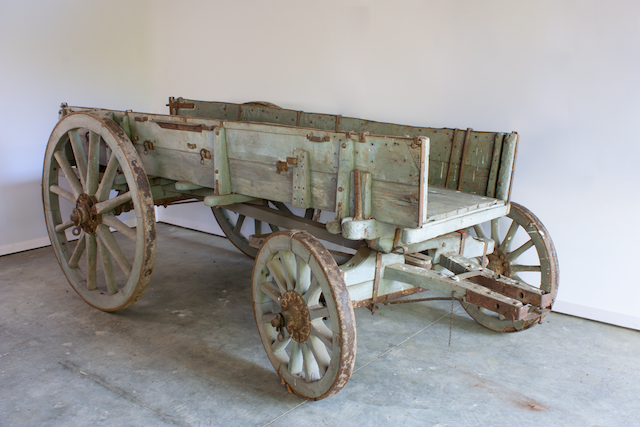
(344, 145)
(340, 189)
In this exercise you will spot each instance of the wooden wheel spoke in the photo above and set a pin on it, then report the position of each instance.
(272, 291)
(74, 260)
(323, 359)
(238, 227)
(295, 360)
(107, 205)
(114, 249)
(303, 279)
(323, 334)
(511, 256)
(279, 346)
(107, 266)
(105, 186)
(274, 228)
(121, 227)
(309, 363)
(288, 261)
(480, 231)
(495, 230)
(318, 312)
(312, 296)
(505, 246)
(79, 154)
(61, 227)
(275, 269)
(92, 262)
(93, 163)
(69, 173)
(308, 214)
(67, 195)
(517, 268)
(257, 227)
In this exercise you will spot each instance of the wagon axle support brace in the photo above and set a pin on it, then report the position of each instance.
(464, 288)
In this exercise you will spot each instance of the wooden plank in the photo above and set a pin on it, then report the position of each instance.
(269, 144)
(301, 180)
(343, 187)
(263, 181)
(424, 181)
(263, 114)
(222, 179)
(395, 203)
(507, 164)
(177, 165)
(227, 199)
(495, 165)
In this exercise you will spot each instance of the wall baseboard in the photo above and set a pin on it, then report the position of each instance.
(591, 313)
(41, 242)
(24, 246)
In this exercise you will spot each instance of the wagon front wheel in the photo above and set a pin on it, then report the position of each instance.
(525, 252)
(92, 175)
(304, 314)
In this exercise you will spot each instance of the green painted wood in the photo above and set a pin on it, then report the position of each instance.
(445, 153)
(227, 199)
(495, 165)
(301, 180)
(220, 161)
(346, 165)
(507, 164)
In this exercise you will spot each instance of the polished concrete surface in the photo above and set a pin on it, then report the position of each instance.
(188, 354)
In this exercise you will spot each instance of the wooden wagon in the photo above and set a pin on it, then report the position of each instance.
(403, 209)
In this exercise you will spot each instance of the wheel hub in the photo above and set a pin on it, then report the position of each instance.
(499, 263)
(85, 214)
(296, 315)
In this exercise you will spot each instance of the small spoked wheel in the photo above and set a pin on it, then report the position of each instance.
(238, 227)
(525, 252)
(304, 314)
(92, 175)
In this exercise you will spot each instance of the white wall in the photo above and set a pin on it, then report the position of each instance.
(564, 74)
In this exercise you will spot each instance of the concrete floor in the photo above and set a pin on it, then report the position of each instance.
(188, 353)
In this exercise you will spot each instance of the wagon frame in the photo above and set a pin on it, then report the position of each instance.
(418, 197)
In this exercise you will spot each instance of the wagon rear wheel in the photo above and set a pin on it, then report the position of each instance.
(525, 252)
(102, 177)
(304, 315)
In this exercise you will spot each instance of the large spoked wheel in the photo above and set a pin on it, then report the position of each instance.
(304, 315)
(238, 229)
(533, 261)
(101, 178)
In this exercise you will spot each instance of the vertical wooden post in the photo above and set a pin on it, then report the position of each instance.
(507, 163)
(345, 166)
(424, 180)
(221, 174)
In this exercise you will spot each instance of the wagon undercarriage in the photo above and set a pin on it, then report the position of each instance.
(403, 210)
